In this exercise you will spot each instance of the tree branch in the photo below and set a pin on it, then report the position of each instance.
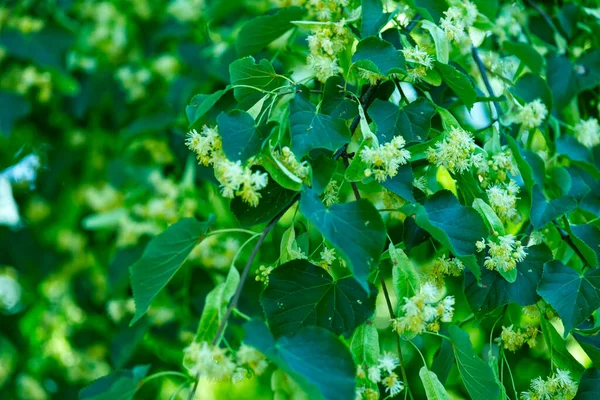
(486, 80)
(243, 277)
(568, 240)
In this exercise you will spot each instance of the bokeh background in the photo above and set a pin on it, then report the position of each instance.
(93, 164)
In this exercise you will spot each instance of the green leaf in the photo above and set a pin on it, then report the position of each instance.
(589, 387)
(489, 216)
(200, 104)
(274, 199)
(530, 87)
(257, 33)
(241, 139)
(278, 171)
(259, 76)
(161, 260)
(531, 166)
(12, 108)
(442, 45)
(373, 17)
(591, 346)
(476, 373)
(378, 56)
(543, 211)
(450, 223)
(433, 387)
(412, 122)
(405, 278)
(300, 294)
(120, 385)
(363, 230)
(215, 306)
(574, 297)
(458, 82)
(558, 350)
(310, 130)
(364, 345)
(587, 239)
(334, 102)
(402, 183)
(492, 291)
(125, 342)
(527, 54)
(567, 80)
(314, 357)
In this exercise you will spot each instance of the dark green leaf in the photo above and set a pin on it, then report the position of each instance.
(591, 346)
(257, 33)
(527, 54)
(363, 236)
(574, 297)
(335, 103)
(530, 87)
(301, 294)
(587, 239)
(402, 183)
(458, 82)
(274, 199)
(493, 291)
(317, 360)
(377, 55)
(161, 260)
(476, 374)
(260, 76)
(566, 80)
(589, 387)
(373, 17)
(12, 108)
(314, 131)
(120, 385)
(241, 139)
(125, 342)
(450, 223)
(543, 211)
(411, 122)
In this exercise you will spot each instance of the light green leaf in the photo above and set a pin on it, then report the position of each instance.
(314, 357)
(364, 345)
(574, 297)
(161, 260)
(433, 387)
(405, 278)
(257, 33)
(558, 350)
(301, 294)
(363, 236)
(260, 76)
(442, 46)
(476, 373)
(489, 216)
(215, 306)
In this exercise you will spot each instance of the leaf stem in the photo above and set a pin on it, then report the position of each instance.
(243, 277)
(231, 230)
(162, 374)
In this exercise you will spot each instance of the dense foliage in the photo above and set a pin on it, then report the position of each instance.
(299, 199)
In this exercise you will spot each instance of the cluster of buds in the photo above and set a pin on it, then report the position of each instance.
(263, 274)
(495, 169)
(504, 255)
(384, 160)
(558, 386)
(513, 340)
(503, 200)
(218, 364)
(455, 152)
(424, 311)
(235, 179)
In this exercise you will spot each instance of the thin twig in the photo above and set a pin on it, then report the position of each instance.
(486, 80)
(238, 291)
(568, 240)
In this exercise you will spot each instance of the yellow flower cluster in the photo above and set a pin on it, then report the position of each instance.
(235, 179)
(382, 373)
(422, 60)
(442, 267)
(330, 194)
(504, 255)
(218, 364)
(457, 19)
(325, 42)
(503, 200)
(289, 161)
(30, 78)
(384, 160)
(510, 20)
(424, 311)
(134, 82)
(513, 340)
(24, 24)
(109, 31)
(558, 386)
(454, 152)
